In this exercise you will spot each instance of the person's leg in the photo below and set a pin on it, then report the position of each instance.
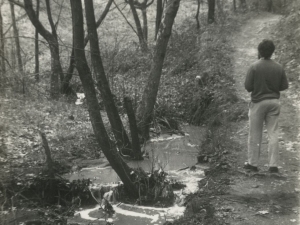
(256, 119)
(273, 132)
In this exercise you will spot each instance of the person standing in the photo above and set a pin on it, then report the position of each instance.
(265, 79)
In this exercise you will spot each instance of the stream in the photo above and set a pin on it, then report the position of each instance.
(174, 155)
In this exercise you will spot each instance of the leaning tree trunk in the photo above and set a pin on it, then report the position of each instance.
(211, 11)
(66, 89)
(197, 14)
(16, 37)
(12, 54)
(2, 49)
(55, 48)
(143, 43)
(84, 72)
(146, 107)
(121, 137)
(56, 69)
(36, 43)
(133, 128)
(145, 24)
(51, 39)
(159, 13)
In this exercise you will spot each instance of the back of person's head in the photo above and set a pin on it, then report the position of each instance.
(266, 48)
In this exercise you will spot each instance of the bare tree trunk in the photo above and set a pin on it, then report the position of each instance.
(197, 14)
(37, 61)
(49, 160)
(66, 89)
(133, 128)
(101, 135)
(55, 52)
(234, 5)
(159, 13)
(16, 37)
(145, 24)
(143, 43)
(221, 15)
(121, 137)
(270, 5)
(56, 70)
(243, 4)
(146, 107)
(2, 47)
(13, 55)
(51, 39)
(211, 11)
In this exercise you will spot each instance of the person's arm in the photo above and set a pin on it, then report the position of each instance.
(249, 82)
(284, 82)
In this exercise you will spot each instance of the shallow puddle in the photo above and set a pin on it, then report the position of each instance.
(174, 155)
(134, 214)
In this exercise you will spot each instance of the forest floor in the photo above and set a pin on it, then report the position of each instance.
(237, 196)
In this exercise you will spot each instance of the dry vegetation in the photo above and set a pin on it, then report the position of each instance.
(209, 101)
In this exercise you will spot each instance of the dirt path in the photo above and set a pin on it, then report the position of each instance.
(245, 44)
(263, 198)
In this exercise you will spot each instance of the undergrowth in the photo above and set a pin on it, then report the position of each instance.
(209, 99)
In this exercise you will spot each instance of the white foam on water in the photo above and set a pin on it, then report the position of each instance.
(118, 210)
(84, 214)
(191, 145)
(191, 185)
(95, 168)
(188, 177)
(173, 211)
(167, 138)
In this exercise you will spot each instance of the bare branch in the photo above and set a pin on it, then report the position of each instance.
(123, 3)
(53, 28)
(17, 3)
(150, 3)
(21, 17)
(58, 17)
(35, 21)
(103, 15)
(12, 37)
(141, 5)
(125, 17)
(100, 20)
(5, 60)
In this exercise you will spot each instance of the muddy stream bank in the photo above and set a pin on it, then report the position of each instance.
(173, 154)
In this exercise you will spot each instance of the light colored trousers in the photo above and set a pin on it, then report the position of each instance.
(264, 111)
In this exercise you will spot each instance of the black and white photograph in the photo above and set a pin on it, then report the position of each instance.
(149, 112)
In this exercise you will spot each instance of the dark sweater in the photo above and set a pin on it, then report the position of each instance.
(265, 79)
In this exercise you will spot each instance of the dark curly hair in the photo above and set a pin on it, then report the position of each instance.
(266, 48)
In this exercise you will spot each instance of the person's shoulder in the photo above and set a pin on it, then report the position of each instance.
(255, 64)
(275, 62)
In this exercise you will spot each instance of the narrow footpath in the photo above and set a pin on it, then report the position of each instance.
(263, 198)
